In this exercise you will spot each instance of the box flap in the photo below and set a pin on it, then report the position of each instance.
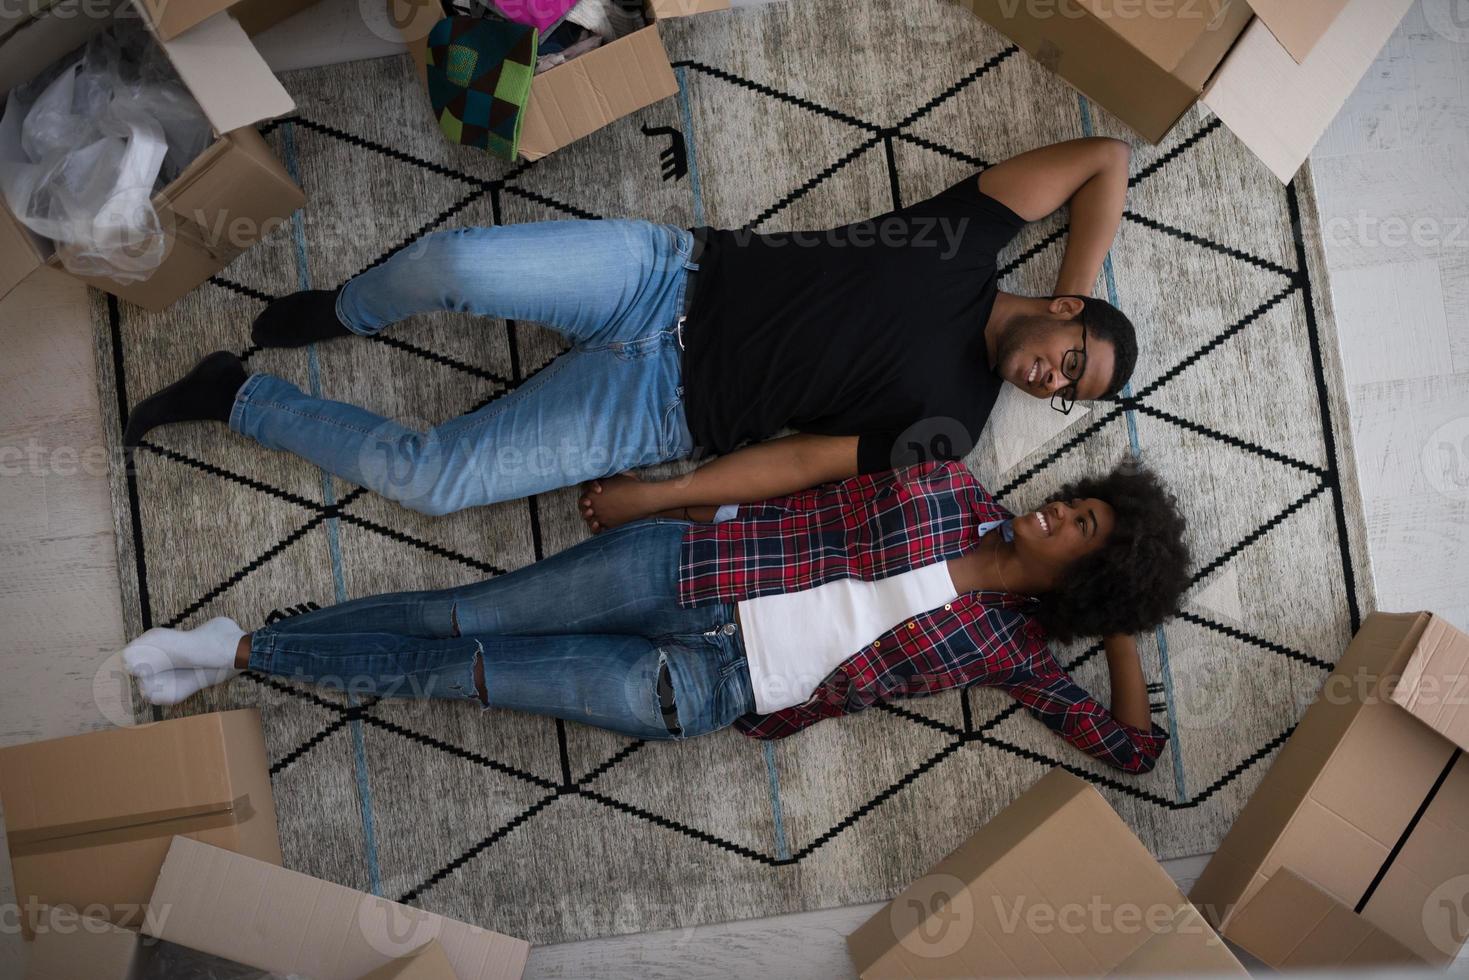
(1188, 947)
(72, 946)
(1292, 924)
(226, 74)
(170, 18)
(585, 94)
(428, 962)
(38, 42)
(1280, 109)
(1434, 687)
(1167, 31)
(664, 9)
(416, 20)
(19, 253)
(265, 916)
(1298, 24)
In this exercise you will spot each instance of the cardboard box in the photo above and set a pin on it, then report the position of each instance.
(89, 819)
(264, 916)
(1055, 885)
(1366, 804)
(1275, 71)
(428, 962)
(571, 100)
(1434, 686)
(234, 194)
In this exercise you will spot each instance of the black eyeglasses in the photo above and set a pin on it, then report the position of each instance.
(1073, 366)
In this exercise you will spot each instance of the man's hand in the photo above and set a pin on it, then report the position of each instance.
(615, 501)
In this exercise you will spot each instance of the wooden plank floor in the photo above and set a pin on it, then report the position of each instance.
(1394, 160)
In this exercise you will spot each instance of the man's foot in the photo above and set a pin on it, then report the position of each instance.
(171, 665)
(299, 319)
(205, 394)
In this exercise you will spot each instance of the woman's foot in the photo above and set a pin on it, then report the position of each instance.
(205, 394)
(171, 665)
(614, 501)
(299, 319)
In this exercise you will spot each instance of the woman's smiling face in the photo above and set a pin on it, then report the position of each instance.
(1062, 532)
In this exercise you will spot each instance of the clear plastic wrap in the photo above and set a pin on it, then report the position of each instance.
(84, 147)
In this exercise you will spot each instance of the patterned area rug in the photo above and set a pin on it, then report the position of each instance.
(804, 114)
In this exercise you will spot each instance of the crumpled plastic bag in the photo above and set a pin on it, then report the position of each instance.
(84, 147)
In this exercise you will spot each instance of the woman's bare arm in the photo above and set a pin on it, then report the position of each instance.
(1129, 689)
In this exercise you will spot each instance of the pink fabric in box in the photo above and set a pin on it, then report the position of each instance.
(539, 14)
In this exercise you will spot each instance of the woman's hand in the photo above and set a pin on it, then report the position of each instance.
(615, 501)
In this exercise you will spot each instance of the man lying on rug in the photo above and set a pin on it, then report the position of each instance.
(851, 336)
(799, 608)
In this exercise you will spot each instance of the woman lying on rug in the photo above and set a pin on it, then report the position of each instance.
(668, 628)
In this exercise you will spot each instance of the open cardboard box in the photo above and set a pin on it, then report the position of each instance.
(88, 819)
(252, 912)
(235, 193)
(1276, 72)
(571, 100)
(1054, 885)
(1352, 850)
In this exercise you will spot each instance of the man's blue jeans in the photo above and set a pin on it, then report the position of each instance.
(614, 402)
(581, 636)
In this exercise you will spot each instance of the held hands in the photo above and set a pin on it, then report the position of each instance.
(614, 501)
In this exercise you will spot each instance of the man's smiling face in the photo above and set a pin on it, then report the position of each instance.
(1031, 353)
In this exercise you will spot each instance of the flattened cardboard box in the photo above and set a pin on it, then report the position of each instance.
(1276, 72)
(89, 818)
(270, 918)
(1365, 803)
(1054, 885)
(571, 100)
(229, 198)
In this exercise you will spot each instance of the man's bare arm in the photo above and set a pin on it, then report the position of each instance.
(1090, 174)
(758, 472)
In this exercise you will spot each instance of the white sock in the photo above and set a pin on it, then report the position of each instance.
(171, 665)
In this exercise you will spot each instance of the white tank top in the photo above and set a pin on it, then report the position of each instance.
(794, 640)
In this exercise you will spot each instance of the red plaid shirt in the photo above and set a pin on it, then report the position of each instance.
(880, 525)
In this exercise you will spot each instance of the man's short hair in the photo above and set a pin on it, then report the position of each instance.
(1106, 322)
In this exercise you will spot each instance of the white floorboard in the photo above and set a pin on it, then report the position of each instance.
(1396, 215)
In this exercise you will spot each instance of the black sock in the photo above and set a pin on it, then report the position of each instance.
(299, 319)
(207, 393)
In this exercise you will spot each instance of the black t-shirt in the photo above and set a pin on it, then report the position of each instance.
(874, 330)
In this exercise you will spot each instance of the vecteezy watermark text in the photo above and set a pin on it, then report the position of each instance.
(890, 232)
